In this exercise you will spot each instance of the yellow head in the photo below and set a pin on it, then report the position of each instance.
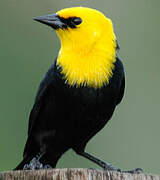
(88, 45)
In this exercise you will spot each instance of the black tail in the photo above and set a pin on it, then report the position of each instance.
(22, 163)
(29, 153)
(46, 159)
(32, 151)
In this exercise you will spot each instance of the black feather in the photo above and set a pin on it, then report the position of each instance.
(65, 117)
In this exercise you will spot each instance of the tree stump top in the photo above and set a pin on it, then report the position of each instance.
(73, 174)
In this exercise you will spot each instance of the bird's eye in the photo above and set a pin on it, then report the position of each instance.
(77, 21)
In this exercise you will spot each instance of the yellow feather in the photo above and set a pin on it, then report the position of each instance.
(88, 52)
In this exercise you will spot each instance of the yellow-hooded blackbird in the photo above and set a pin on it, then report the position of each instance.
(80, 91)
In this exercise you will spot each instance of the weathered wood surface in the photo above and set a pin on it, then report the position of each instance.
(73, 174)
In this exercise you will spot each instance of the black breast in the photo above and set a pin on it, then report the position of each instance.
(86, 110)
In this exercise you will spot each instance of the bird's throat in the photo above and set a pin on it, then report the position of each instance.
(88, 67)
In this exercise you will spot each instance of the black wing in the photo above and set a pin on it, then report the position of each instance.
(40, 110)
(121, 92)
(122, 82)
(43, 90)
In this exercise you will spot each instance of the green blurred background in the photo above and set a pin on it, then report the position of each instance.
(27, 48)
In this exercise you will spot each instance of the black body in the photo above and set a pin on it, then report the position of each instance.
(65, 117)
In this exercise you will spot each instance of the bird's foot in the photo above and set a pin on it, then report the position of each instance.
(47, 167)
(93, 169)
(110, 167)
(35, 164)
(133, 171)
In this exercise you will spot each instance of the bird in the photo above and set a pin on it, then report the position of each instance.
(79, 92)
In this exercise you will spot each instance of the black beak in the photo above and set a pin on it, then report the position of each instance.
(52, 20)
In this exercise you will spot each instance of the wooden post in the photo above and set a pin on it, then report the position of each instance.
(73, 174)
